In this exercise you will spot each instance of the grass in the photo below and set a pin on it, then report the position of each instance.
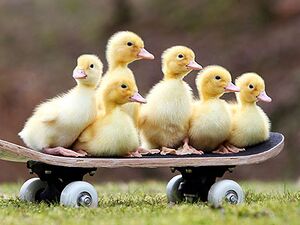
(146, 204)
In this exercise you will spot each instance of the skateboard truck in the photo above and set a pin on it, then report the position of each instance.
(56, 178)
(196, 181)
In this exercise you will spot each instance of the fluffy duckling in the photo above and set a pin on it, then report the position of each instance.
(123, 48)
(250, 125)
(210, 122)
(113, 133)
(164, 120)
(57, 123)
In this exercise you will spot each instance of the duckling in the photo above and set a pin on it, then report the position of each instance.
(123, 48)
(56, 123)
(164, 120)
(113, 133)
(210, 121)
(250, 125)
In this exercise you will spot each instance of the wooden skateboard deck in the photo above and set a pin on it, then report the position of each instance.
(252, 155)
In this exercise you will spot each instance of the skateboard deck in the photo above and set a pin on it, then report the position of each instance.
(252, 155)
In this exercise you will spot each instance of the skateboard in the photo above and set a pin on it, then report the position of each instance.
(60, 178)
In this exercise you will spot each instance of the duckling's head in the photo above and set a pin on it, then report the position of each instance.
(125, 47)
(88, 70)
(120, 91)
(178, 61)
(214, 81)
(252, 88)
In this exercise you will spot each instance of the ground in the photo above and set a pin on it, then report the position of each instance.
(146, 203)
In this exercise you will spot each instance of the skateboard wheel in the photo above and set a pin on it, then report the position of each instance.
(225, 190)
(79, 193)
(30, 188)
(174, 195)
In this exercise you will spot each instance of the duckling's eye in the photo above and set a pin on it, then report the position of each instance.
(124, 86)
(180, 56)
(92, 66)
(251, 86)
(129, 43)
(217, 77)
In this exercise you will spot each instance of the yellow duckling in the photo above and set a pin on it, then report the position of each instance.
(57, 123)
(123, 48)
(250, 125)
(113, 133)
(164, 120)
(211, 120)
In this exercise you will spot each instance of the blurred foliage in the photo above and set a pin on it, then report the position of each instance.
(40, 41)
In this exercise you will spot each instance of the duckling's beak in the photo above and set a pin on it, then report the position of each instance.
(231, 88)
(144, 54)
(137, 98)
(194, 65)
(79, 74)
(264, 97)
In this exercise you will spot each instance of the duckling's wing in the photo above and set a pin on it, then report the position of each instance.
(86, 135)
(47, 113)
(141, 121)
(49, 117)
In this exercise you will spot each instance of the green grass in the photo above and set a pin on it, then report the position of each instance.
(146, 203)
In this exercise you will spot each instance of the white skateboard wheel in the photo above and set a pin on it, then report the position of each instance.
(225, 190)
(30, 188)
(173, 194)
(79, 193)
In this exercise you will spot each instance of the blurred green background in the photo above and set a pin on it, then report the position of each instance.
(40, 41)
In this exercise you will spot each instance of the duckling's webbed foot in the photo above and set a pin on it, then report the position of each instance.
(134, 154)
(168, 151)
(221, 150)
(233, 149)
(188, 149)
(144, 151)
(227, 149)
(61, 151)
(84, 153)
